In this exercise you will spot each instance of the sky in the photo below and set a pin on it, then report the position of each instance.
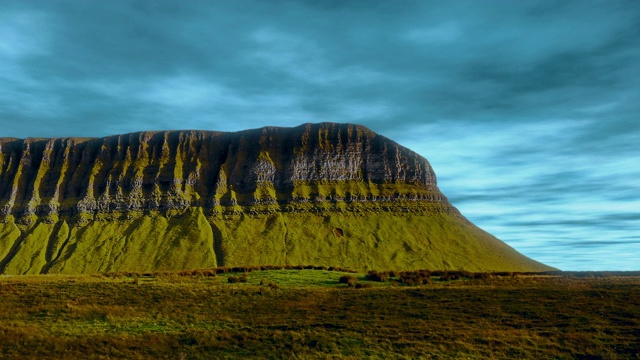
(528, 111)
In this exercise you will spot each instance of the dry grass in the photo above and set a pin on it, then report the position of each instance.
(309, 313)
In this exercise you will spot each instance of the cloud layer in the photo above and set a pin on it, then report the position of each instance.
(528, 110)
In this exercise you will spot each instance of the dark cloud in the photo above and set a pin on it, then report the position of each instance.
(523, 108)
(422, 61)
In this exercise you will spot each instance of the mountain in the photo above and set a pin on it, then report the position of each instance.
(321, 194)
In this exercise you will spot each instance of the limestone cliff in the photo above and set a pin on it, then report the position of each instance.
(326, 194)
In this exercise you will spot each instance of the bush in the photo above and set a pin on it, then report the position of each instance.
(414, 278)
(350, 280)
(339, 269)
(241, 269)
(197, 273)
(344, 279)
(209, 273)
(236, 279)
(377, 276)
(482, 275)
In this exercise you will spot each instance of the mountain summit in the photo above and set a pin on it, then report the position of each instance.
(321, 194)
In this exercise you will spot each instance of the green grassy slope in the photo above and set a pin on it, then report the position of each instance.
(371, 241)
(191, 240)
(140, 243)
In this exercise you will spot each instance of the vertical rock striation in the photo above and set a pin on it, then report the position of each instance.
(180, 169)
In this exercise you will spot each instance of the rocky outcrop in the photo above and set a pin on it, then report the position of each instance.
(312, 163)
(323, 194)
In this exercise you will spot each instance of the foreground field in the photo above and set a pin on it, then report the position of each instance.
(309, 313)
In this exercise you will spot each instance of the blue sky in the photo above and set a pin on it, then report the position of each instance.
(528, 110)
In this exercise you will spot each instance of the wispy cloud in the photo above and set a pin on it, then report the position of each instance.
(23, 34)
(439, 34)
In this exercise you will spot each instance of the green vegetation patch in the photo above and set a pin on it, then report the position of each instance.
(310, 314)
(156, 241)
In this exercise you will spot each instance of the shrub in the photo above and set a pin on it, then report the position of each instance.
(210, 273)
(241, 269)
(414, 278)
(236, 279)
(197, 273)
(344, 279)
(481, 275)
(350, 280)
(377, 276)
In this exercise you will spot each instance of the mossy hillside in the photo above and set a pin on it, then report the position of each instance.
(140, 243)
(253, 240)
(144, 243)
(9, 233)
(191, 240)
(371, 241)
(31, 251)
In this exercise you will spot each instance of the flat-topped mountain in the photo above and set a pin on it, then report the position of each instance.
(322, 194)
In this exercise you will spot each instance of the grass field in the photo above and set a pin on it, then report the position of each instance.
(289, 313)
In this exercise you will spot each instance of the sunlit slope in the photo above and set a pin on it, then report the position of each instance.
(371, 241)
(150, 242)
(142, 243)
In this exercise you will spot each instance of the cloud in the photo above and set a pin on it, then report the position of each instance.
(18, 38)
(443, 33)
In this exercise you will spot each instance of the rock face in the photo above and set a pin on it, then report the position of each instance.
(322, 194)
